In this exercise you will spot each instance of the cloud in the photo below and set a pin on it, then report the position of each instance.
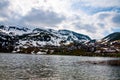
(3, 10)
(101, 3)
(3, 4)
(102, 16)
(40, 17)
(102, 25)
(116, 19)
(91, 7)
(95, 18)
(109, 19)
(88, 27)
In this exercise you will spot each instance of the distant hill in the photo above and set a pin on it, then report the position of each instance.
(112, 37)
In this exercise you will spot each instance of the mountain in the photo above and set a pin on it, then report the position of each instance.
(16, 30)
(112, 37)
(52, 37)
(22, 37)
(73, 35)
(7, 41)
(19, 39)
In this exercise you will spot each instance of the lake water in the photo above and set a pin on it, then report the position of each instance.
(54, 67)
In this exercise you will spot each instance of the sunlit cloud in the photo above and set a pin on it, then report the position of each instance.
(95, 18)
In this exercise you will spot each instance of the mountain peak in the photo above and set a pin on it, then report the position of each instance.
(112, 37)
(44, 36)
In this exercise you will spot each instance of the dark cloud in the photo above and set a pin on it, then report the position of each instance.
(102, 25)
(3, 4)
(38, 16)
(116, 19)
(87, 27)
(102, 16)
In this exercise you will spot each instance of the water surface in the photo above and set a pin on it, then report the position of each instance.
(54, 67)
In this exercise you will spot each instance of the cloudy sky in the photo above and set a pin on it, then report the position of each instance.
(96, 18)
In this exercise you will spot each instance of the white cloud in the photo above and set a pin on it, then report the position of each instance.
(102, 3)
(60, 14)
(22, 7)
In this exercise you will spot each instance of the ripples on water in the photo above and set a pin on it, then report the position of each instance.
(50, 67)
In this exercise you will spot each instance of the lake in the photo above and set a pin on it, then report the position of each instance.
(55, 67)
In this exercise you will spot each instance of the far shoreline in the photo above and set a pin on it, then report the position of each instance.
(109, 55)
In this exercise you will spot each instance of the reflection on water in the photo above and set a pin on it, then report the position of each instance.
(50, 67)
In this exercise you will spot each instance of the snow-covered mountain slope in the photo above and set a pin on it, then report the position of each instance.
(7, 41)
(73, 35)
(16, 30)
(22, 37)
(52, 37)
(112, 37)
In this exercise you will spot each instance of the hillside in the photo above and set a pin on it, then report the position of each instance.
(22, 38)
(112, 37)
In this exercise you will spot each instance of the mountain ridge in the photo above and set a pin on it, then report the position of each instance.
(49, 41)
(112, 37)
(21, 36)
